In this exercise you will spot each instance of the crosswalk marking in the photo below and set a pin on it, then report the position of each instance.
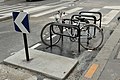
(108, 17)
(33, 47)
(35, 9)
(47, 12)
(73, 10)
(11, 8)
(95, 9)
(92, 10)
(45, 9)
(69, 11)
(112, 7)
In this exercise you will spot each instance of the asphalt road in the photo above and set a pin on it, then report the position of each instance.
(11, 41)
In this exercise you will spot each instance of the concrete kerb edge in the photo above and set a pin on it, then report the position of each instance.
(20, 67)
(42, 73)
(5, 18)
(97, 74)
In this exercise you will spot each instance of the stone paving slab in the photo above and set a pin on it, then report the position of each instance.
(49, 64)
(9, 73)
(111, 71)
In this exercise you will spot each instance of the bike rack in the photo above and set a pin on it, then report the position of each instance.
(98, 13)
(79, 15)
(62, 25)
(91, 16)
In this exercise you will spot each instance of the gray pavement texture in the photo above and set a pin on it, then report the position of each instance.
(108, 69)
(10, 73)
(43, 62)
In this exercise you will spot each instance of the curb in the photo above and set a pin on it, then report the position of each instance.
(103, 56)
(11, 73)
(5, 18)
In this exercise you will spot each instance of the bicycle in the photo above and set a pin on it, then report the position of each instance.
(88, 35)
(45, 36)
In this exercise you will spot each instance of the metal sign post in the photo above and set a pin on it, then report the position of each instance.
(21, 24)
(26, 46)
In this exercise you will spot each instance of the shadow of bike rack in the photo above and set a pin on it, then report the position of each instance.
(61, 26)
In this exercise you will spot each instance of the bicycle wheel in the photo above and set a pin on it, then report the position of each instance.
(91, 37)
(45, 35)
(73, 33)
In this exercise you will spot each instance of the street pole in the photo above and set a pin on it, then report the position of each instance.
(26, 46)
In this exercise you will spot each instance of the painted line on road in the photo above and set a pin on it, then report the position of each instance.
(108, 17)
(68, 12)
(52, 37)
(16, 8)
(29, 9)
(47, 12)
(92, 10)
(91, 71)
(73, 10)
(36, 45)
(5, 32)
(112, 7)
(35, 9)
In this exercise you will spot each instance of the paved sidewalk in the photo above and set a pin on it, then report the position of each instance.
(43, 62)
(106, 65)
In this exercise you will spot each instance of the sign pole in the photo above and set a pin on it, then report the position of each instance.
(21, 24)
(26, 46)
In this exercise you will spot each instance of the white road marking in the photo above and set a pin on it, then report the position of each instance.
(47, 12)
(11, 9)
(73, 10)
(29, 9)
(92, 10)
(108, 17)
(5, 32)
(95, 9)
(35, 9)
(68, 12)
(112, 7)
(52, 37)
(33, 47)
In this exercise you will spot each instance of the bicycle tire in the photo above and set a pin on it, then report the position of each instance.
(95, 40)
(45, 35)
(72, 34)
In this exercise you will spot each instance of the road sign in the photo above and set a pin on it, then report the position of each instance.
(21, 22)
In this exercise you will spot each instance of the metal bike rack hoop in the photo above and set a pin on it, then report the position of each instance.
(62, 25)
